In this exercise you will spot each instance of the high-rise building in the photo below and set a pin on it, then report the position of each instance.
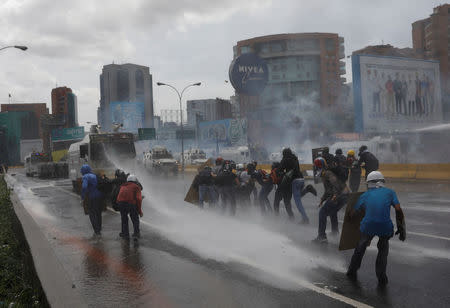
(207, 110)
(305, 71)
(125, 83)
(64, 106)
(32, 128)
(431, 37)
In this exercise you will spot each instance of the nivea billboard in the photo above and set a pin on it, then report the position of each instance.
(248, 74)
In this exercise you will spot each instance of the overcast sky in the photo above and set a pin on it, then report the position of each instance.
(182, 41)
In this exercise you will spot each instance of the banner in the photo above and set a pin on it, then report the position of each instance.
(130, 114)
(65, 134)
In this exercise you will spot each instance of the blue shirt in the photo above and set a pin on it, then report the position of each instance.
(377, 204)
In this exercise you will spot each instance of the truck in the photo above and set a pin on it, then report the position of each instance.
(195, 157)
(160, 161)
(104, 152)
(28, 146)
(239, 154)
(34, 163)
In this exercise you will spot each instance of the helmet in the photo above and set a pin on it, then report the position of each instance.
(320, 163)
(119, 173)
(338, 152)
(132, 178)
(362, 148)
(287, 152)
(351, 153)
(375, 176)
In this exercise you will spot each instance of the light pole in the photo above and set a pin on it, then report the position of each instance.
(16, 46)
(180, 96)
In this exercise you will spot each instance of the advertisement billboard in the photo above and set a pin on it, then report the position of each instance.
(229, 131)
(392, 94)
(130, 114)
(248, 74)
(65, 134)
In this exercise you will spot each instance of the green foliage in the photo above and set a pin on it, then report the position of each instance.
(19, 284)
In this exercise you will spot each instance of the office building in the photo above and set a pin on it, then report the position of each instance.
(31, 128)
(207, 110)
(64, 107)
(122, 85)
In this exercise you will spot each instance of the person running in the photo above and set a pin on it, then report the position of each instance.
(293, 177)
(130, 203)
(92, 198)
(368, 160)
(335, 196)
(376, 203)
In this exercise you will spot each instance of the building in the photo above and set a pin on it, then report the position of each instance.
(305, 73)
(64, 106)
(125, 83)
(300, 64)
(33, 129)
(207, 110)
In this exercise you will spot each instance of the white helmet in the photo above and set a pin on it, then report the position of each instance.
(132, 178)
(375, 176)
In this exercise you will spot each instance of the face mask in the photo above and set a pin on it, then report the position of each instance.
(376, 185)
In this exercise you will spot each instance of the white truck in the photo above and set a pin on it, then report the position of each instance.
(102, 152)
(28, 146)
(195, 157)
(160, 161)
(239, 155)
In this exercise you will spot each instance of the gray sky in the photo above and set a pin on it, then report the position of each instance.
(182, 41)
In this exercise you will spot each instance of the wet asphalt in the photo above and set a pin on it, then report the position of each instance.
(160, 271)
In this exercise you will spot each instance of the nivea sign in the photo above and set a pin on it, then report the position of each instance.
(248, 74)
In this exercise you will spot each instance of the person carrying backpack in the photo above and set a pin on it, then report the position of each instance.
(92, 197)
(130, 203)
(367, 160)
(335, 196)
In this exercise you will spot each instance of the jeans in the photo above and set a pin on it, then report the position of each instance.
(125, 209)
(383, 251)
(297, 186)
(286, 196)
(331, 208)
(229, 197)
(95, 214)
(204, 190)
(263, 194)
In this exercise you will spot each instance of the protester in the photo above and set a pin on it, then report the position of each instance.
(265, 181)
(367, 160)
(92, 198)
(130, 203)
(333, 199)
(354, 171)
(376, 203)
(293, 177)
(227, 181)
(204, 181)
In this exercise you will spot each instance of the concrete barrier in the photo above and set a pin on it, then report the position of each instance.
(439, 172)
(58, 287)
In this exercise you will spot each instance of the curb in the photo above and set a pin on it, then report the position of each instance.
(58, 287)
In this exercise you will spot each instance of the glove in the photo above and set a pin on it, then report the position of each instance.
(401, 229)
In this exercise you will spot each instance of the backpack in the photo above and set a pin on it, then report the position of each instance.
(276, 175)
(103, 184)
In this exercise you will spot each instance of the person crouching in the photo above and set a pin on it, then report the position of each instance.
(130, 202)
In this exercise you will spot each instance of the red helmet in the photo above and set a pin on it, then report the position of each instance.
(320, 163)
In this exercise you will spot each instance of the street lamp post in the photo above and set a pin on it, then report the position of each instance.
(180, 96)
(16, 46)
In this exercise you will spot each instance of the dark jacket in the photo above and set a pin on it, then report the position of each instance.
(290, 162)
(130, 193)
(333, 186)
(340, 159)
(369, 160)
(204, 177)
(89, 184)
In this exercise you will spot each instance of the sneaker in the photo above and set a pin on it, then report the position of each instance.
(352, 275)
(311, 189)
(320, 240)
(136, 235)
(382, 281)
(124, 236)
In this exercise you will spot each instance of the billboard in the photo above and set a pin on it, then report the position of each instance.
(65, 134)
(146, 133)
(392, 93)
(130, 114)
(229, 131)
(248, 74)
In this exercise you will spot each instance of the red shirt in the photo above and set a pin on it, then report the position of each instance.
(130, 193)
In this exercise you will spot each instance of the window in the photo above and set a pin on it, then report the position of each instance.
(123, 86)
(139, 76)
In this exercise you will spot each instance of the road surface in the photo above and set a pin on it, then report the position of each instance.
(189, 257)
